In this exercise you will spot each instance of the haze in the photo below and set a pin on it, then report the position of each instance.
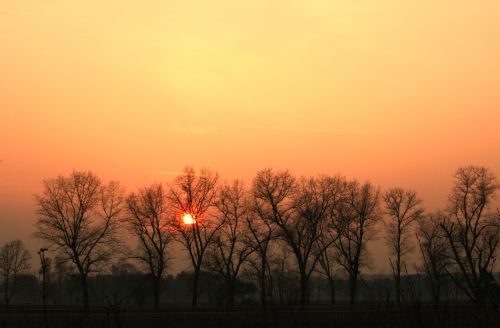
(397, 92)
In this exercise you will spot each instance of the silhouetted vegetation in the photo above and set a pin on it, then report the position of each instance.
(14, 262)
(282, 243)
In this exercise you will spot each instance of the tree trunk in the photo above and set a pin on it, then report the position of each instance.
(332, 291)
(353, 285)
(263, 285)
(437, 293)
(303, 289)
(85, 292)
(231, 292)
(6, 292)
(263, 292)
(156, 291)
(194, 301)
(478, 297)
(398, 279)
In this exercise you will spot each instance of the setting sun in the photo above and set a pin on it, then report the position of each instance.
(188, 219)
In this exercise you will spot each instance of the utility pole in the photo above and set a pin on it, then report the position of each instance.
(43, 263)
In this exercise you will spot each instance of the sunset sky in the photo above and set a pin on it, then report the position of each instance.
(397, 92)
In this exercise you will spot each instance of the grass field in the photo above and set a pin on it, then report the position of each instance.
(131, 318)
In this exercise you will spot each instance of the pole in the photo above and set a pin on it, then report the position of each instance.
(43, 262)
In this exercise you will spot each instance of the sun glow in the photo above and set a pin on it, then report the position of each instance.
(188, 219)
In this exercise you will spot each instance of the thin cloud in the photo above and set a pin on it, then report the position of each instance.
(189, 128)
(319, 130)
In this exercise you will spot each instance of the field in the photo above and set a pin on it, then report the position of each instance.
(131, 318)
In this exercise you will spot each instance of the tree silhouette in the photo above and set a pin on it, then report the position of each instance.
(330, 232)
(231, 249)
(148, 220)
(14, 261)
(403, 208)
(435, 251)
(260, 238)
(356, 221)
(78, 216)
(195, 194)
(297, 211)
(472, 231)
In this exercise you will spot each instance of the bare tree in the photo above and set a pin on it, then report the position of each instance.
(472, 230)
(330, 232)
(14, 261)
(435, 251)
(148, 220)
(78, 215)
(403, 208)
(284, 276)
(231, 249)
(297, 210)
(260, 239)
(193, 197)
(356, 222)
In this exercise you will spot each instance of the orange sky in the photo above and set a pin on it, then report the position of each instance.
(400, 92)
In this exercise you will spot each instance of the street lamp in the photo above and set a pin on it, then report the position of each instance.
(43, 263)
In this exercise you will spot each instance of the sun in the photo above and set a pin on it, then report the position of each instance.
(188, 219)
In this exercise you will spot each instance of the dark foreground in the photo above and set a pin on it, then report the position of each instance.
(130, 318)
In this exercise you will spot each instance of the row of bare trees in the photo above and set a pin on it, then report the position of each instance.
(325, 222)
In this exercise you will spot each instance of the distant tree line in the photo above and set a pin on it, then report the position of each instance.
(271, 242)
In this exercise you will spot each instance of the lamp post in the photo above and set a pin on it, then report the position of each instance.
(43, 263)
